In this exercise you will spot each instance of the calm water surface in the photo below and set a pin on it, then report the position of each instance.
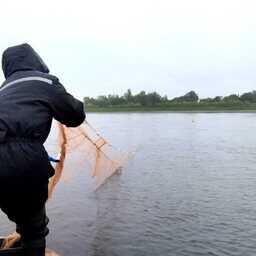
(189, 190)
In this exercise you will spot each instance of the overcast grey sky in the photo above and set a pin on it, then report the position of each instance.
(171, 46)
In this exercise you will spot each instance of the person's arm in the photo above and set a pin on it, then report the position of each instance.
(65, 108)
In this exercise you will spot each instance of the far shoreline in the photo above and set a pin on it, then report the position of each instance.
(165, 110)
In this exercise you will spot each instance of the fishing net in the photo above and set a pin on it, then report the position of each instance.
(82, 149)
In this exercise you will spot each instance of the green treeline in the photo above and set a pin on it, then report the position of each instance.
(154, 101)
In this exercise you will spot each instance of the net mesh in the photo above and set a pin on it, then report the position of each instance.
(82, 149)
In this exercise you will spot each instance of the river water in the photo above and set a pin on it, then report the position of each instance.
(190, 189)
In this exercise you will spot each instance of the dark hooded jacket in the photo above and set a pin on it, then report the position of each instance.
(29, 99)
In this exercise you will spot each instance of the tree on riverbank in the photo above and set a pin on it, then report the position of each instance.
(188, 97)
(140, 99)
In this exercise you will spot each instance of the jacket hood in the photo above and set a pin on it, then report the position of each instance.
(20, 58)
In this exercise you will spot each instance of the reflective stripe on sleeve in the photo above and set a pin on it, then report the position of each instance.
(25, 79)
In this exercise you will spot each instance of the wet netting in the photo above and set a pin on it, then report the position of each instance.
(82, 149)
(72, 150)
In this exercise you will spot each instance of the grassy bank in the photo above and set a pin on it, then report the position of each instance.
(193, 107)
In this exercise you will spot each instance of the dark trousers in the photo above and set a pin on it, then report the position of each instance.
(24, 203)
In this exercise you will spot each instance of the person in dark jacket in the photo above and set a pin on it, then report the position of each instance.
(29, 99)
